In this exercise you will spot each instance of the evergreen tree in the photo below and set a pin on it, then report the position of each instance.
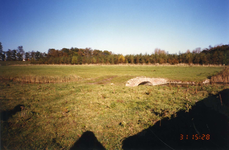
(20, 53)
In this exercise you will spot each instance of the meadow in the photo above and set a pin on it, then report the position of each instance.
(51, 106)
(68, 73)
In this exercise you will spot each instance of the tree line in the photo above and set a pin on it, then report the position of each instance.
(212, 55)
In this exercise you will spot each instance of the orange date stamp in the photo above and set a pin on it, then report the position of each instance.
(195, 137)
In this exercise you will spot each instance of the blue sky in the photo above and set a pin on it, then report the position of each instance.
(120, 26)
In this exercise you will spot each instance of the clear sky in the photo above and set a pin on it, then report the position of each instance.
(120, 26)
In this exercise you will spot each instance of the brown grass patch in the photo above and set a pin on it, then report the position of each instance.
(222, 77)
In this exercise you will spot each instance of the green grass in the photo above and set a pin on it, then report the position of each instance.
(61, 73)
(62, 112)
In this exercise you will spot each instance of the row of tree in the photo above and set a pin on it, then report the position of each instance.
(212, 55)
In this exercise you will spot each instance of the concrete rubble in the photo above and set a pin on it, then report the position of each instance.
(157, 81)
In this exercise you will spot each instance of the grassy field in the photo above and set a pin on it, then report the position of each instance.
(62, 73)
(55, 115)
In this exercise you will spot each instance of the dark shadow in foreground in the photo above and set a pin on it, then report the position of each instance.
(87, 141)
(201, 128)
(5, 115)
